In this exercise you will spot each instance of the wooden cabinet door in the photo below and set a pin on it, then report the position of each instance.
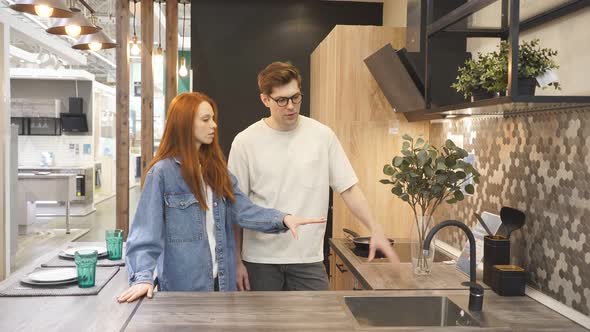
(340, 276)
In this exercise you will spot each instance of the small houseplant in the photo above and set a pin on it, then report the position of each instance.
(472, 80)
(426, 177)
(533, 61)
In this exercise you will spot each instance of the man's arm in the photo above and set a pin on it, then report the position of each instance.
(357, 204)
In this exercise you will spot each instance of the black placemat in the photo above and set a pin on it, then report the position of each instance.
(17, 288)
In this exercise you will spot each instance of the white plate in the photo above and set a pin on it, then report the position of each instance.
(36, 283)
(53, 275)
(72, 251)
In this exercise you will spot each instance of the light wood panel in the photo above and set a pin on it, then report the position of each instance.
(345, 97)
(147, 83)
(171, 51)
(122, 116)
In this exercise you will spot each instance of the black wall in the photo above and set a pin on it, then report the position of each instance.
(232, 40)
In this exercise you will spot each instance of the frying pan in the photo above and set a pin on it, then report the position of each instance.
(361, 243)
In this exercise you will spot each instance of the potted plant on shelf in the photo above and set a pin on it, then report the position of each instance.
(426, 177)
(533, 62)
(472, 80)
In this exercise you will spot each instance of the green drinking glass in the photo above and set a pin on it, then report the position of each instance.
(86, 265)
(114, 240)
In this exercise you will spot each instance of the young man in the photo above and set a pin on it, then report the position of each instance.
(288, 162)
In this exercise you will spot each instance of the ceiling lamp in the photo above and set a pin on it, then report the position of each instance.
(94, 42)
(43, 8)
(73, 26)
(183, 71)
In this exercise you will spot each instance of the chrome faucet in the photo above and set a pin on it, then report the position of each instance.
(475, 289)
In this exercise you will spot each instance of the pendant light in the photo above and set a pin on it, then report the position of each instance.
(73, 26)
(43, 8)
(159, 54)
(134, 49)
(183, 71)
(94, 42)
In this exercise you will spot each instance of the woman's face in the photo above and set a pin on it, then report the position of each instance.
(204, 125)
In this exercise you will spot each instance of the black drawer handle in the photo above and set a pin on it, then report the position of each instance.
(341, 268)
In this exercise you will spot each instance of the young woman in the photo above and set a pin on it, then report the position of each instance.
(183, 227)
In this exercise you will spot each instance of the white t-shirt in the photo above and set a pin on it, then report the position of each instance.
(290, 171)
(210, 225)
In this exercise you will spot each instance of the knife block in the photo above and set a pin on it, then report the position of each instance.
(496, 251)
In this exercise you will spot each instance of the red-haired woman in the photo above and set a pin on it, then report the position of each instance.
(183, 227)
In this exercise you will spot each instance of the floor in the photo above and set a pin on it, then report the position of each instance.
(49, 233)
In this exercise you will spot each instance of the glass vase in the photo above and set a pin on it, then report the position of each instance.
(421, 264)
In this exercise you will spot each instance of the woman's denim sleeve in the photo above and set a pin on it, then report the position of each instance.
(251, 216)
(146, 237)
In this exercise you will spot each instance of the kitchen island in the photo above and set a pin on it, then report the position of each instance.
(245, 311)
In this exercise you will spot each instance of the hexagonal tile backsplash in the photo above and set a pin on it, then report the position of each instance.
(539, 164)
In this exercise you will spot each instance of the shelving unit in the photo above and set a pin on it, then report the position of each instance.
(510, 25)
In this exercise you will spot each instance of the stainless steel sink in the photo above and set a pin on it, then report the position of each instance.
(408, 311)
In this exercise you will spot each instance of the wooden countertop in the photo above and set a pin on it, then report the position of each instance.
(322, 311)
(244, 311)
(66, 313)
(384, 276)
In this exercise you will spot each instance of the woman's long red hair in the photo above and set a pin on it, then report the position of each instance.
(178, 142)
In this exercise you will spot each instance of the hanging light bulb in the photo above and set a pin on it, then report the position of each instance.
(95, 46)
(73, 30)
(43, 10)
(183, 71)
(134, 50)
(158, 58)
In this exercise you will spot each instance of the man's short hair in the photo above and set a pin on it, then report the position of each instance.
(277, 74)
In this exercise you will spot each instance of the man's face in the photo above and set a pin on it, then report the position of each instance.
(284, 103)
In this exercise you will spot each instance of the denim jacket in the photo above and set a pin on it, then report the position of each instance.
(169, 235)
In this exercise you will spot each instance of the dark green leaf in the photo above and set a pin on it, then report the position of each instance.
(469, 189)
(459, 195)
(388, 170)
(397, 161)
(419, 142)
(397, 190)
(451, 201)
(449, 144)
(407, 153)
(406, 146)
(385, 181)
(461, 175)
(422, 158)
(407, 137)
(405, 197)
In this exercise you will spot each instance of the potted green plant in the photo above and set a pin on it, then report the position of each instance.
(425, 177)
(533, 61)
(471, 78)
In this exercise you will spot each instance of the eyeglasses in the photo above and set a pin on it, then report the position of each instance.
(284, 101)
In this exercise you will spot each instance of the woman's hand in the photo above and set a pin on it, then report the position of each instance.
(136, 291)
(292, 222)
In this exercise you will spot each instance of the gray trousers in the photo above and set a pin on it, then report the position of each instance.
(290, 277)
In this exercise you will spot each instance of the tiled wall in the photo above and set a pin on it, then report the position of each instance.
(541, 165)
(30, 148)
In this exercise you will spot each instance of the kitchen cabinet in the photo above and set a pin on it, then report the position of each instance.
(341, 278)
